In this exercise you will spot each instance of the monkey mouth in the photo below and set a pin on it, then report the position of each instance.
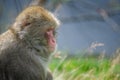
(50, 39)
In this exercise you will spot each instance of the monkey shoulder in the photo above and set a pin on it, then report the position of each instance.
(6, 39)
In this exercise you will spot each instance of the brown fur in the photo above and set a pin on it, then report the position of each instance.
(24, 52)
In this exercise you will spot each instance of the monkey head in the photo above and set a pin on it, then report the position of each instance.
(37, 26)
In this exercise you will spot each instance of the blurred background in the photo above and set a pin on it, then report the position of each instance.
(88, 37)
(89, 26)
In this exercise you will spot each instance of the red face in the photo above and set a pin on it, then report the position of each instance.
(51, 39)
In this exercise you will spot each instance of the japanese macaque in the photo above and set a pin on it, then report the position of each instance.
(26, 47)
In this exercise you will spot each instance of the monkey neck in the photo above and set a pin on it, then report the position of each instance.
(39, 49)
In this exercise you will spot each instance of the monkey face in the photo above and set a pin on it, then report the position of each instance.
(38, 26)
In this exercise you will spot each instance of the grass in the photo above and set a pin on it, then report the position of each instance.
(85, 68)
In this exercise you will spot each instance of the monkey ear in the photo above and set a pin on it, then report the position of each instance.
(21, 34)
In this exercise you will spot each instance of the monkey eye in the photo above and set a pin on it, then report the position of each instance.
(26, 24)
(50, 29)
(54, 31)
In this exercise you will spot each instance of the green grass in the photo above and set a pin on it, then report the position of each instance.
(85, 69)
